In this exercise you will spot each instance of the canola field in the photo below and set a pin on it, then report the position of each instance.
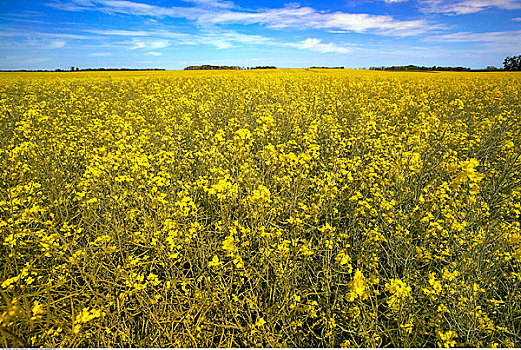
(278, 208)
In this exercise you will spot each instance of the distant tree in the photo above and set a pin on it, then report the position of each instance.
(210, 67)
(72, 69)
(491, 68)
(512, 63)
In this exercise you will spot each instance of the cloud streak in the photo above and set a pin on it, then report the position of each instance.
(40, 35)
(57, 44)
(466, 7)
(487, 37)
(291, 16)
(221, 39)
(316, 45)
(150, 44)
(504, 42)
(159, 39)
(212, 3)
(100, 54)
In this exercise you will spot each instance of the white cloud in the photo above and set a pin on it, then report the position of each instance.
(154, 40)
(126, 7)
(307, 17)
(467, 6)
(394, 1)
(212, 3)
(517, 19)
(149, 44)
(506, 36)
(100, 54)
(118, 32)
(56, 44)
(158, 44)
(275, 18)
(155, 35)
(13, 17)
(220, 44)
(224, 39)
(315, 44)
(64, 36)
(67, 6)
(385, 25)
(138, 44)
(24, 40)
(207, 12)
(499, 42)
(130, 7)
(26, 34)
(34, 60)
(154, 53)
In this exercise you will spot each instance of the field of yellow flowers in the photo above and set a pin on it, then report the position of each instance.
(287, 208)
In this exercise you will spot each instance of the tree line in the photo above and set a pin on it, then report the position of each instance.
(414, 68)
(509, 64)
(76, 69)
(210, 67)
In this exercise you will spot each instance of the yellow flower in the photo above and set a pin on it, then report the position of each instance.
(229, 245)
(399, 292)
(37, 311)
(358, 287)
(468, 171)
(344, 259)
(86, 316)
(260, 322)
(407, 327)
(214, 262)
(447, 338)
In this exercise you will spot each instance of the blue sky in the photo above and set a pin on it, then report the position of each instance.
(167, 34)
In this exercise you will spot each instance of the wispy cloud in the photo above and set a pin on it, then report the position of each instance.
(467, 6)
(118, 32)
(505, 36)
(34, 60)
(226, 39)
(20, 60)
(214, 12)
(149, 44)
(505, 42)
(213, 3)
(517, 19)
(14, 18)
(219, 38)
(100, 54)
(154, 53)
(158, 39)
(315, 44)
(175, 37)
(307, 17)
(57, 44)
(384, 25)
(24, 39)
(127, 7)
(40, 35)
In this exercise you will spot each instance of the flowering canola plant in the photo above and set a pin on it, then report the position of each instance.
(277, 208)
